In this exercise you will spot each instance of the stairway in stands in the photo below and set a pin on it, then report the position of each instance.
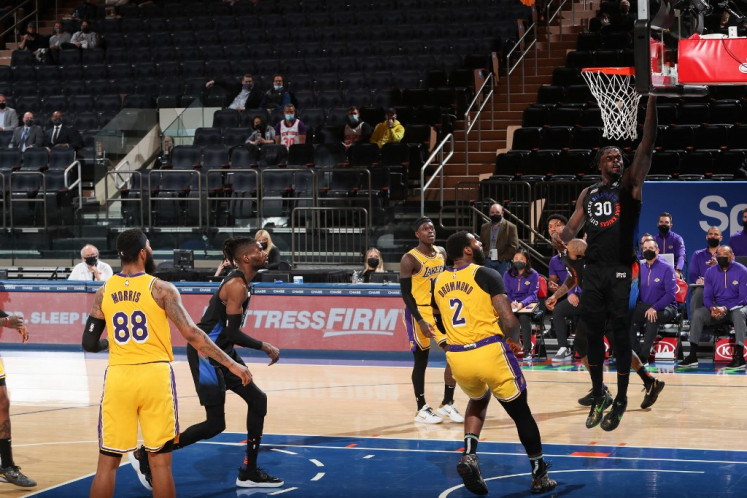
(46, 24)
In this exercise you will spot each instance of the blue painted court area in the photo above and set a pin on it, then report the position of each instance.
(316, 466)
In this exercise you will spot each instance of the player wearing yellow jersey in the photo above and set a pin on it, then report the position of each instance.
(139, 384)
(469, 297)
(417, 270)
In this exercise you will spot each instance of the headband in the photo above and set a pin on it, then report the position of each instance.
(420, 222)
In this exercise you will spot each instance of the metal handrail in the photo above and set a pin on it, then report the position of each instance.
(156, 199)
(471, 123)
(520, 61)
(34, 13)
(438, 151)
(118, 174)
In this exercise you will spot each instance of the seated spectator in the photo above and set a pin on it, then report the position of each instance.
(164, 160)
(91, 268)
(738, 240)
(372, 263)
(389, 130)
(27, 136)
(623, 19)
(670, 242)
(276, 97)
(273, 254)
(290, 130)
(724, 301)
(724, 23)
(565, 308)
(224, 268)
(31, 40)
(246, 95)
(656, 299)
(355, 129)
(8, 115)
(701, 261)
(59, 38)
(522, 286)
(261, 134)
(85, 38)
(60, 135)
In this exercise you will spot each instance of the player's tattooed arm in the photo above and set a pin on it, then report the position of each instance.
(508, 321)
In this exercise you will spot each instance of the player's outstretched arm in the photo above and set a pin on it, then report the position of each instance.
(234, 294)
(641, 164)
(169, 299)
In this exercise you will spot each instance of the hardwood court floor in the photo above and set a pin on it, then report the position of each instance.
(54, 408)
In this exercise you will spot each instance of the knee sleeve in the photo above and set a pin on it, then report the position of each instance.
(521, 414)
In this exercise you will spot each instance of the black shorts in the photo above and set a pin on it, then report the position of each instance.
(211, 382)
(606, 291)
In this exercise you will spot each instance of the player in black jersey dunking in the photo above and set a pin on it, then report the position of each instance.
(222, 321)
(609, 212)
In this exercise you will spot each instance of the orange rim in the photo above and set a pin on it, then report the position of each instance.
(624, 71)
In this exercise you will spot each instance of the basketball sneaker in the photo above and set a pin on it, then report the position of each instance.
(541, 481)
(257, 478)
(139, 461)
(652, 392)
(737, 361)
(597, 409)
(469, 468)
(13, 475)
(588, 400)
(563, 354)
(451, 412)
(614, 416)
(690, 361)
(426, 416)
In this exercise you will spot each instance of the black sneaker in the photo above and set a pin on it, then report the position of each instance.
(737, 361)
(13, 475)
(257, 478)
(588, 400)
(690, 361)
(469, 468)
(614, 416)
(597, 409)
(652, 392)
(141, 464)
(542, 483)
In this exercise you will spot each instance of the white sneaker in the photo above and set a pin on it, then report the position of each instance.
(451, 412)
(563, 354)
(426, 416)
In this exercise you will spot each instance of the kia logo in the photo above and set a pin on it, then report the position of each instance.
(663, 348)
(725, 350)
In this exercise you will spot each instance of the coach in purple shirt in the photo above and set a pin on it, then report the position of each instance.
(656, 301)
(670, 242)
(738, 241)
(725, 301)
(700, 262)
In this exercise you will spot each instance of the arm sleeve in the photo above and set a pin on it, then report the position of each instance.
(236, 336)
(490, 281)
(91, 335)
(405, 285)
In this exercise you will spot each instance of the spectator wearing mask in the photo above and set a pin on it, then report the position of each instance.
(738, 241)
(8, 115)
(261, 134)
(522, 287)
(59, 135)
(702, 260)
(500, 239)
(31, 40)
(57, 41)
(277, 97)
(27, 136)
(290, 130)
(247, 95)
(670, 242)
(355, 130)
(91, 268)
(373, 263)
(85, 38)
(164, 160)
(273, 254)
(389, 130)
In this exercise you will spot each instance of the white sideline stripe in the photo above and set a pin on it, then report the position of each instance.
(282, 491)
(283, 451)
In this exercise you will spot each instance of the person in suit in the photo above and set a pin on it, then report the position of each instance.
(59, 135)
(8, 115)
(245, 96)
(28, 135)
(501, 238)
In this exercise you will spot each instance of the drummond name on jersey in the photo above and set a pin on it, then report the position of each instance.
(455, 286)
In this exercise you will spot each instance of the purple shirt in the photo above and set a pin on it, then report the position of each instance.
(725, 288)
(522, 288)
(558, 269)
(738, 243)
(699, 264)
(658, 284)
(672, 244)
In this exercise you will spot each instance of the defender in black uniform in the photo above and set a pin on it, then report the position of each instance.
(609, 213)
(222, 321)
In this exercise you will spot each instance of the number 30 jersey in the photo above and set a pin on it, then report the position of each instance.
(137, 326)
(464, 298)
(611, 221)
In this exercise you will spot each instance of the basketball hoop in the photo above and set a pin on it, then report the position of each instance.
(617, 99)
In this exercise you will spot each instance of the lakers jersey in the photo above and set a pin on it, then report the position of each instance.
(466, 309)
(430, 267)
(137, 326)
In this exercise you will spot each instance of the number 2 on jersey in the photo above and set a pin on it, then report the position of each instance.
(130, 327)
(457, 320)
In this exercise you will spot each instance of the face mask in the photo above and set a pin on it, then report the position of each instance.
(649, 255)
(29, 122)
(519, 265)
(663, 229)
(496, 218)
(478, 257)
(91, 260)
(373, 262)
(246, 86)
(723, 261)
(277, 87)
(605, 22)
(713, 242)
(263, 245)
(353, 118)
(289, 117)
(56, 31)
(258, 127)
(2, 105)
(57, 122)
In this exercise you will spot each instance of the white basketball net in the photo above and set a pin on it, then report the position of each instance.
(618, 101)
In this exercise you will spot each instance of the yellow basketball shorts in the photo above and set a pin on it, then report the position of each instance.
(492, 367)
(144, 392)
(2, 373)
(415, 336)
